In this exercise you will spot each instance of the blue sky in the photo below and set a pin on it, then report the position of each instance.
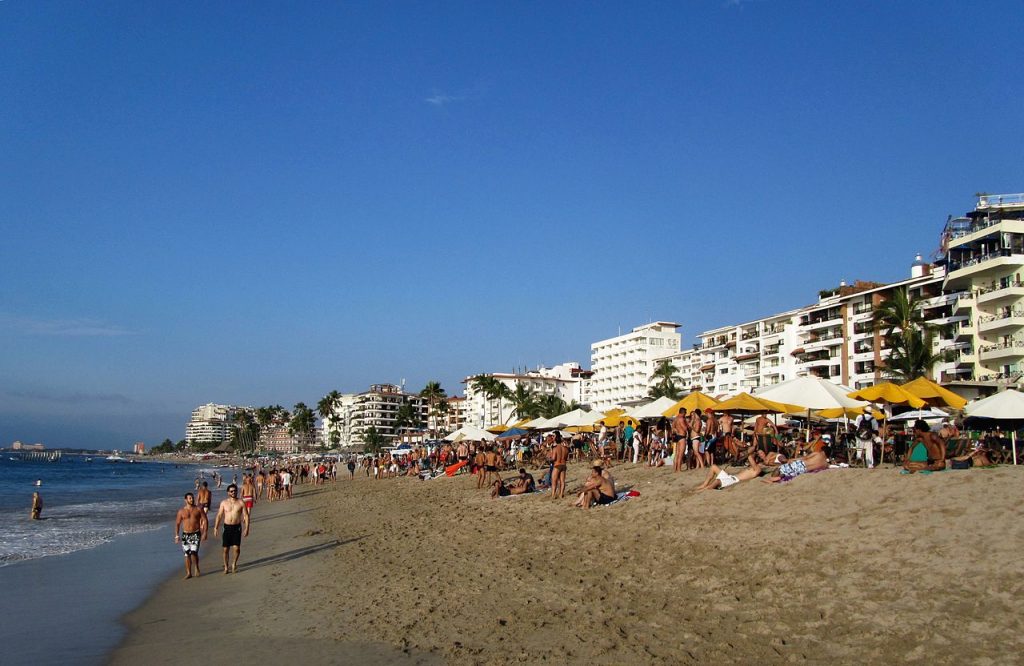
(257, 203)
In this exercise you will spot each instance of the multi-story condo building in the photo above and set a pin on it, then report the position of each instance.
(277, 438)
(567, 380)
(378, 408)
(209, 423)
(455, 417)
(623, 365)
(984, 259)
(834, 339)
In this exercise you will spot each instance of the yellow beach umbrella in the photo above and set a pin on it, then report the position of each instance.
(749, 404)
(888, 393)
(933, 394)
(695, 400)
(496, 428)
(613, 417)
(839, 412)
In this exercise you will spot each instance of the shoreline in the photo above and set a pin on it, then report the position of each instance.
(847, 565)
(222, 617)
(49, 593)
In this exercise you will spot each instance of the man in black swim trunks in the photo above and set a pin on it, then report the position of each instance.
(205, 498)
(599, 489)
(234, 516)
(191, 525)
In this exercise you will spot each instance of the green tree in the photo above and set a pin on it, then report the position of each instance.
(524, 402)
(549, 405)
(433, 394)
(326, 407)
(373, 441)
(908, 335)
(664, 381)
(302, 422)
(408, 416)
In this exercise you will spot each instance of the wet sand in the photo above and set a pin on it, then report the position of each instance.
(847, 566)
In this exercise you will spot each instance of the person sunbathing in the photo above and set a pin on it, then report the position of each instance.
(498, 489)
(599, 488)
(976, 458)
(790, 470)
(772, 459)
(718, 478)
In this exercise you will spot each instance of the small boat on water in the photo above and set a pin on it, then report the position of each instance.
(116, 458)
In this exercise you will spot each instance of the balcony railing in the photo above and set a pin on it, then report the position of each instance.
(1000, 200)
(995, 286)
(1007, 314)
(982, 258)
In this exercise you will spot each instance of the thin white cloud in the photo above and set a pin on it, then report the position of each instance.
(440, 99)
(61, 327)
(75, 398)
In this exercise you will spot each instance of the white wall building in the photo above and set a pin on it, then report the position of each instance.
(623, 365)
(985, 262)
(209, 423)
(567, 380)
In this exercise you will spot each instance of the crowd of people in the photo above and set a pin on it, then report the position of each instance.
(697, 439)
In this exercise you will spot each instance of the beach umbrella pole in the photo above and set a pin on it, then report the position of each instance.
(1013, 438)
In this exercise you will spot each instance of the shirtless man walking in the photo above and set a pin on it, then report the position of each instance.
(205, 497)
(560, 458)
(248, 493)
(190, 526)
(233, 514)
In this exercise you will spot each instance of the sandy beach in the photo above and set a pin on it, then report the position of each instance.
(846, 565)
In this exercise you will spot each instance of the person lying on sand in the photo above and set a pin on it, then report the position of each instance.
(498, 489)
(772, 459)
(791, 470)
(599, 488)
(718, 478)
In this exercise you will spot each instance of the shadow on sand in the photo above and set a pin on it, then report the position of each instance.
(295, 554)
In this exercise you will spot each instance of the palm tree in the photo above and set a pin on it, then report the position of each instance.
(908, 335)
(326, 408)
(433, 393)
(911, 356)
(523, 400)
(373, 441)
(664, 377)
(440, 410)
(550, 405)
(408, 416)
(489, 387)
(302, 422)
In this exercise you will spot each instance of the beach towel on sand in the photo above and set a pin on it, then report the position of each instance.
(621, 497)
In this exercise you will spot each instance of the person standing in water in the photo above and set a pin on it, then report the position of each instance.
(37, 505)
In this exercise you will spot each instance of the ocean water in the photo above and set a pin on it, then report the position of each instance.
(105, 541)
(85, 503)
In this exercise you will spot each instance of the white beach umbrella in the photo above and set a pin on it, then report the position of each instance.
(811, 393)
(930, 414)
(470, 432)
(651, 410)
(577, 417)
(1007, 405)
